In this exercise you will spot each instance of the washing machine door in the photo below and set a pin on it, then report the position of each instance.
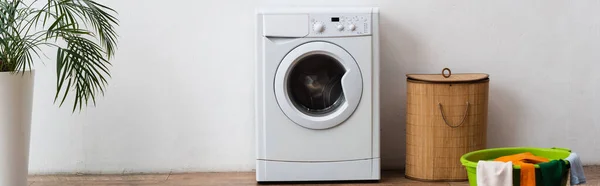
(318, 85)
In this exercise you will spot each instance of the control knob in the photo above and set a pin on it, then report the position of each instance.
(318, 27)
(352, 27)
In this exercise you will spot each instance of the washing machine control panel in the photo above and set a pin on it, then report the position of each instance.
(336, 25)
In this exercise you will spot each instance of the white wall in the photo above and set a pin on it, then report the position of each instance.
(181, 95)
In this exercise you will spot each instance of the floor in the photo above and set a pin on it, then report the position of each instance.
(390, 178)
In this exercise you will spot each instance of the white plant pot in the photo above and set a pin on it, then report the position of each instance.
(16, 97)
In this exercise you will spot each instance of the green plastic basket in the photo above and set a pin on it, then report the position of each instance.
(470, 160)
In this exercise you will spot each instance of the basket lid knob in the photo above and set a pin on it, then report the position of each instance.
(448, 77)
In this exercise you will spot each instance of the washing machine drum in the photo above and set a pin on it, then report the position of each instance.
(318, 85)
(315, 85)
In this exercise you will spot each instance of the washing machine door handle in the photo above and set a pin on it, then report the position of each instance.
(352, 87)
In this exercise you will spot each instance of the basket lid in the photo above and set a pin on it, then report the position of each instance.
(448, 77)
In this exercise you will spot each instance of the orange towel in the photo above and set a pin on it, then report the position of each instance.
(526, 161)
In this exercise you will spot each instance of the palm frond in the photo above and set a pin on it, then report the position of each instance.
(16, 46)
(87, 28)
(84, 64)
(94, 14)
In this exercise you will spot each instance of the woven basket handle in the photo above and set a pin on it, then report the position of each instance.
(463, 119)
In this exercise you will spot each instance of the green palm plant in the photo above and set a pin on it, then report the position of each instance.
(83, 33)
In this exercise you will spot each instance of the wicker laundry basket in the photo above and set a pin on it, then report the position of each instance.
(446, 117)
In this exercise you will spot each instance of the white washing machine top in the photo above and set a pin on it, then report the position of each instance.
(317, 94)
(321, 22)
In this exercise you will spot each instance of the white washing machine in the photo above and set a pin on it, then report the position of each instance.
(317, 95)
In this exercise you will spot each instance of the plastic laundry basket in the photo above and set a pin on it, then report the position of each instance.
(470, 160)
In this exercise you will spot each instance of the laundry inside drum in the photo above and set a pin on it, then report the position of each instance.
(314, 84)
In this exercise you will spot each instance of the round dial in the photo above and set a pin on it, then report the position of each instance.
(319, 27)
(352, 27)
(340, 27)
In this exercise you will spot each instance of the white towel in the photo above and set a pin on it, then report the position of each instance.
(494, 173)
(577, 175)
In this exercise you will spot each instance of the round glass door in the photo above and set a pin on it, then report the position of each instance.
(318, 85)
(315, 86)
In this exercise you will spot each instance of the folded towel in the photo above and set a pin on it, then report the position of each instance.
(577, 175)
(492, 173)
(552, 172)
